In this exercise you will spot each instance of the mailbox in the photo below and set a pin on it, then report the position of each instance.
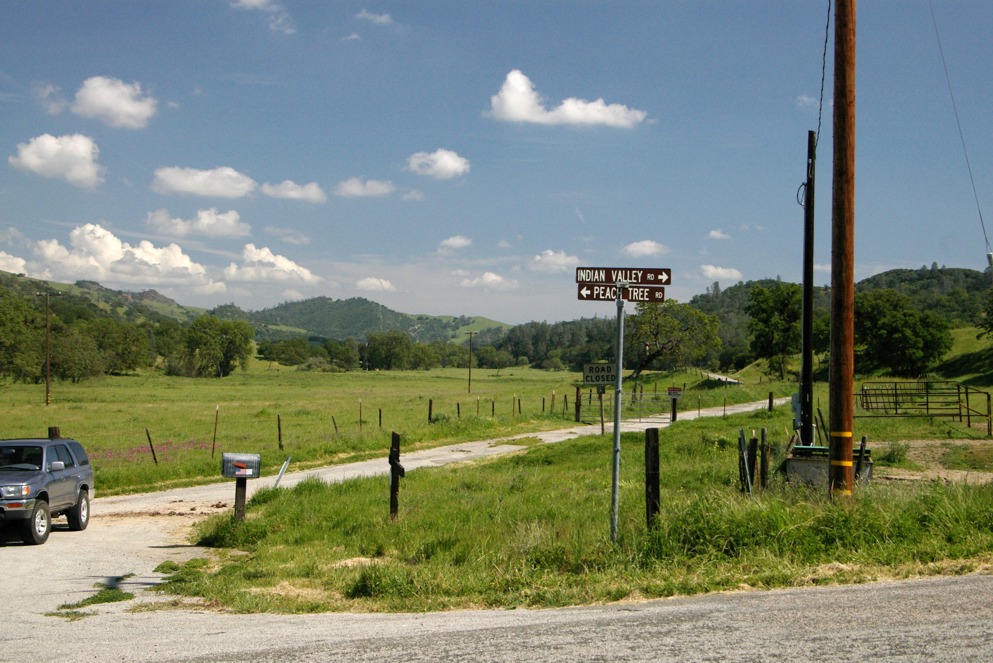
(241, 466)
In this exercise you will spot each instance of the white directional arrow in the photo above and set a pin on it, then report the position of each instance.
(585, 292)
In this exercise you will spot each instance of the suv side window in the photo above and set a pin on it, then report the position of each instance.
(63, 454)
(77, 451)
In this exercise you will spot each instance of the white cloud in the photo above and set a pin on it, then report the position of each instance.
(645, 247)
(12, 264)
(114, 102)
(208, 223)
(454, 243)
(378, 19)
(805, 100)
(223, 182)
(279, 20)
(373, 284)
(289, 235)
(414, 194)
(356, 187)
(263, 266)
(97, 254)
(517, 101)
(441, 164)
(718, 234)
(553, 261)
(311, 193)
(714, 272)
(50, 97)
(71, 158)
(489, 281)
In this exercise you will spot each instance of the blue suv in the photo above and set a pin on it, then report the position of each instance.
(41, 479)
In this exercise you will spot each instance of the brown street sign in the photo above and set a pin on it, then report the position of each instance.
(591, 292)
(634, 276)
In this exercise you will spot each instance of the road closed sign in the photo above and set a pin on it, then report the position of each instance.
(599, 374)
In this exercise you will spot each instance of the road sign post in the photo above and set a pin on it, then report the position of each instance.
(620, 284)
(618, 404)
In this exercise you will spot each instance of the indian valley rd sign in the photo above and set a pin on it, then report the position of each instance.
(611, 275)
(632, 293)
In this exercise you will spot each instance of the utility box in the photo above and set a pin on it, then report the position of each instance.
(811, 465)
(241, 466)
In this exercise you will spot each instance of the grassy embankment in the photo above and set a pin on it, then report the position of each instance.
(533, 530)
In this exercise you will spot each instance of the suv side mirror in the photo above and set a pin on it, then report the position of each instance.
(56, 466)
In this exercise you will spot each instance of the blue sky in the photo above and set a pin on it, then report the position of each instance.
(463, 158)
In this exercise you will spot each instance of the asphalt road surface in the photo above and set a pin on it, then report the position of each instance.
(936, 619)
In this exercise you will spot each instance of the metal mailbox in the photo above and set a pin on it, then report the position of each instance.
(241, 466)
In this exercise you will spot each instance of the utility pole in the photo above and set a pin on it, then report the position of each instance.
(48, 345)
(470, 360)
(841, 479)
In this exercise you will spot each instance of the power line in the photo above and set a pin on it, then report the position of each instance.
(958, 122)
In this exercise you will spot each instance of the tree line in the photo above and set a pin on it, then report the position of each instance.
(892, 335)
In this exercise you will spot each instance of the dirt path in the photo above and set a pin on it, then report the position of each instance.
(928, 454)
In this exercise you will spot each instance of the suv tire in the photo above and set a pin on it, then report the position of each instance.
(79, 515)
(39, 525)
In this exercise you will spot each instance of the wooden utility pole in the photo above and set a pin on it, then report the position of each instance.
(843, 253)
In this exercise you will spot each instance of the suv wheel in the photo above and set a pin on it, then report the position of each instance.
(79, 515)
(37, 528)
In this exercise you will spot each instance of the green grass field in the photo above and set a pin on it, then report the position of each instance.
(324, 418)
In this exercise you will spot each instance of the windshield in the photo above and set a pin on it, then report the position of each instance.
(18, 457)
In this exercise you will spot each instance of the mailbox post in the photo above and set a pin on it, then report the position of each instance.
(240, 467)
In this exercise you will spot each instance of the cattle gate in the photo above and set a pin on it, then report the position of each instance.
(926, 398)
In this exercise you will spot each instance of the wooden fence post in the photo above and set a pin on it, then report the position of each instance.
(396, 473)
(652, 490)
(150, 446)
(279, 431)
(213, 444)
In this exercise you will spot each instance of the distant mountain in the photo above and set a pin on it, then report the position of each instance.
(320, 317)
(957, 294)
(358, 317)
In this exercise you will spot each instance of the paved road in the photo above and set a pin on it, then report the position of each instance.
(933, 619)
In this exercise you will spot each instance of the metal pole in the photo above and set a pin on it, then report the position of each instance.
(618, 404)
(843, 252)
(807, 369)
